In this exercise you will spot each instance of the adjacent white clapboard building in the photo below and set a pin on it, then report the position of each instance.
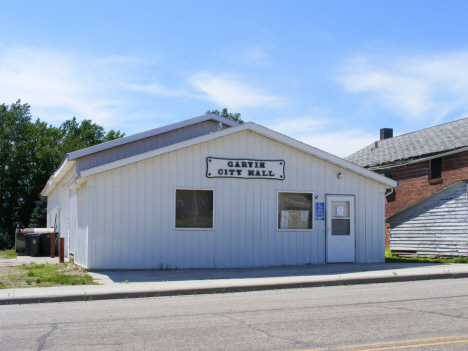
(208, 192)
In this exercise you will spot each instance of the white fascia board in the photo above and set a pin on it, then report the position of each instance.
(57, 177)
(162, 150)
(389, 183)
(150, 133)
(324, 156)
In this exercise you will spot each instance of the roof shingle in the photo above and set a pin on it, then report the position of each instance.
(424, 142)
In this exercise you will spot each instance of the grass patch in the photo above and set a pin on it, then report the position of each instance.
(389, 258)
(8, 254)
(42, 275)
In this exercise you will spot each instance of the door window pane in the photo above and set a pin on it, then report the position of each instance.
(194, 208)
(340, 227)
(340, 208)
(295, 211)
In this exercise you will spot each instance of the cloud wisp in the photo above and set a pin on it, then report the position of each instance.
(322, 133)
(58, 86)
(61, 85)
(416, 88)
(227, 91)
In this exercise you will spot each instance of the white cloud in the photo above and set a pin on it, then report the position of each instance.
(57, 86)
(227, 91)
(60, 85)
(324, 134)
(156, 88)
(413, 87)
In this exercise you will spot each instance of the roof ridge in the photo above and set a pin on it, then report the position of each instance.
(149, 133)
(420, 130)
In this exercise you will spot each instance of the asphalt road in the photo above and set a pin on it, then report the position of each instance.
(426, 315)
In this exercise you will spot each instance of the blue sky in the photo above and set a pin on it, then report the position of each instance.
(329, 73)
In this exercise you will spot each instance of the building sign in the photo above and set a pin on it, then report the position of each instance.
(320, 211)
(244, 168)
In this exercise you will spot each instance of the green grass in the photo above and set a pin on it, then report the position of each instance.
(8, 253)
(389, 258)
(42, 275)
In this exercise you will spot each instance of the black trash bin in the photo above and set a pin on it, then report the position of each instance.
(27, 251)
(45, 244)
(35, 245)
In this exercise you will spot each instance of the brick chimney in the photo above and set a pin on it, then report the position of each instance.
(386, 133)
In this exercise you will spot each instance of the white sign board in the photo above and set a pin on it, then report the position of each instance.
(244, 168)
(340, 210)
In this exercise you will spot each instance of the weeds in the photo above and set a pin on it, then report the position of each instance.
(389, 258)
(42, 275)
(8, 254)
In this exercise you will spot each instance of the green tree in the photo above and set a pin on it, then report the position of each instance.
(75, 136)
(39, 213)
(16, 144)
(29, 154)
(232, 116)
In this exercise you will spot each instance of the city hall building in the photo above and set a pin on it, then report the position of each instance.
(209, 192)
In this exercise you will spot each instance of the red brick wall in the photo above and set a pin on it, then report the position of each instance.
(414, 180)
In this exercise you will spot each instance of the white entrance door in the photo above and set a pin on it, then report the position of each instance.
(340, 228)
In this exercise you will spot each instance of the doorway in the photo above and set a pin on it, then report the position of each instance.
(340, 228)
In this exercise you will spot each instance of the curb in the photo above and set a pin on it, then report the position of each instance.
(229, 289)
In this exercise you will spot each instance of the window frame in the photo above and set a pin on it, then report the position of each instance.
(278, 229)
(175, 209)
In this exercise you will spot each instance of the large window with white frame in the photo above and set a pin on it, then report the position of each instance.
(194, 209)
(295, 210)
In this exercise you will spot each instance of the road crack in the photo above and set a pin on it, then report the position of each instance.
(248, 326)
(42, 340)
(427, 312)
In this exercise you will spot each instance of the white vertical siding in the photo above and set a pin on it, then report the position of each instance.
(80, 248)
(57, 210)
(134, 210)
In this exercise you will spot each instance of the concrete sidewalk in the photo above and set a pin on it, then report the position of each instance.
(151, 283)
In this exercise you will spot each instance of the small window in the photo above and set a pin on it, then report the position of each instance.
(194, 208)
(436, 168)
(340, 218)
(387, 173)
(295, 211)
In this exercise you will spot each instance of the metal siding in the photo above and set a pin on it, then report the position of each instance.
(147, 144)
(80, 250)
(434, 227)
(72, 212)
(245, 220)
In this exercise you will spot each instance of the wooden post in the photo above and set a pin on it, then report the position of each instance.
(62, 250)
(52, 245)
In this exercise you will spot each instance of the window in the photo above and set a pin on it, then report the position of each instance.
(340, 218)
(436, 168)
(295, 211)
(194, 208)
(387, 173)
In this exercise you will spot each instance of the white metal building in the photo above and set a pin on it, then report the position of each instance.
(207, 192)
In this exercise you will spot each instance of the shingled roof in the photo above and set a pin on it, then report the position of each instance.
(422, 143)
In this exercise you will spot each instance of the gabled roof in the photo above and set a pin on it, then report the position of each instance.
(408, 147)
(70, 159)
(150, 133)
(389, 183)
